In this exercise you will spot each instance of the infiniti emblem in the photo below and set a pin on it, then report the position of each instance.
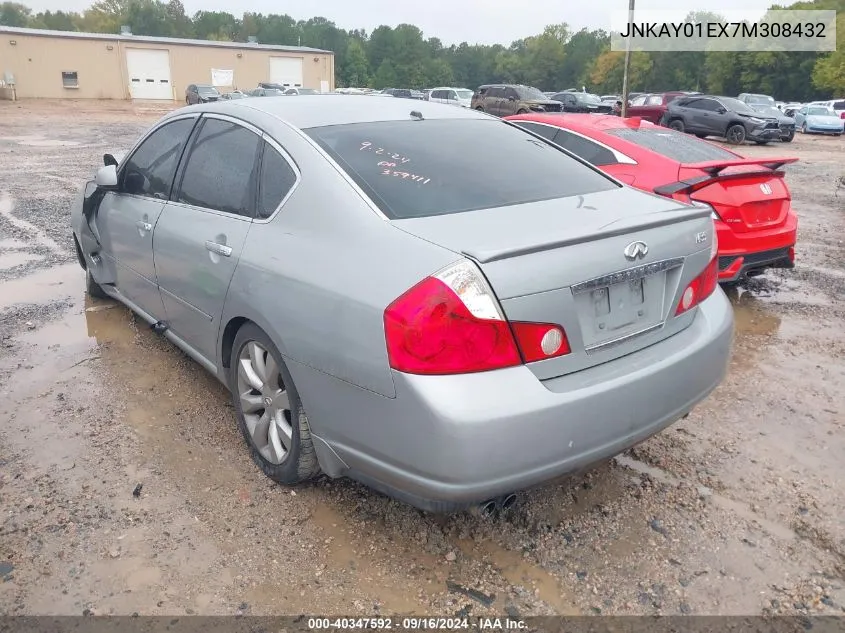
(636, 250)
(766, 189)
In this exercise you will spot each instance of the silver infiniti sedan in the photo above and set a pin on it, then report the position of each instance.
(424, 298)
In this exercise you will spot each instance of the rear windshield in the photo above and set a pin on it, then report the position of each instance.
(675, 145)
(820, 111)
(527, 92)
(414, 169)
(585, 97)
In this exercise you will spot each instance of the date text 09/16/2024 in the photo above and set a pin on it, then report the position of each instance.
(416, 624)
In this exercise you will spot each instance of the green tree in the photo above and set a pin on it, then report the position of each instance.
(580, 52)
(58, 21)
(356, 71)
(385, 75)
(215, 25)
(829, 70)
(14, 14)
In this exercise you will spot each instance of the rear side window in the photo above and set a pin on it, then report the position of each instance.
(839, 105)
(220, 173)
(276, 180)
(591, 152)
(675, 145)
(655, 100)
(150, 170)
(546, 131)
(402, 165)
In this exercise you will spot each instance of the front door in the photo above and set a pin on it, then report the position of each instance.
(201, 233)
(127, 217)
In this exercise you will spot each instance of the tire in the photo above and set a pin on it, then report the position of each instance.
(789, 138)
(93, 288)
(522, 111)
(299, 461)
(804, 127)
(838, 134)
(735, 134)
(699, 135)
(480, 109)
(762, 142)
(677, 125)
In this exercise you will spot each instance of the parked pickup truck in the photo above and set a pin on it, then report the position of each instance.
(652, 107)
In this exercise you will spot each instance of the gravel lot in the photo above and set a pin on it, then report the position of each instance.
(736, 510)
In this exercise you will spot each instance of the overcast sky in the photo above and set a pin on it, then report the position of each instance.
(453, 21)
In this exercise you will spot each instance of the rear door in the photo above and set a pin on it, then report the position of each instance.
(127, 217)
(199, 237)
(492, 100)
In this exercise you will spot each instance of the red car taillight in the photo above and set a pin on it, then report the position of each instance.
(704, 285)
(451, 323)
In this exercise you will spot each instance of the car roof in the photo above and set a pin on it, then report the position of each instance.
(309, 111)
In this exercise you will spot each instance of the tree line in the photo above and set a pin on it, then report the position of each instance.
(401, 56)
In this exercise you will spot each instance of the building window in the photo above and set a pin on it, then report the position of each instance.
(70, 80)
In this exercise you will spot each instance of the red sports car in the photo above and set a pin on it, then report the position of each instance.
(755, 223)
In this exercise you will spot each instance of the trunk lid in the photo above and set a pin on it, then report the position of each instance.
(564, 261)
(748, 194)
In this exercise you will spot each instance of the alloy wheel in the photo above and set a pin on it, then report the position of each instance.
(265, 402)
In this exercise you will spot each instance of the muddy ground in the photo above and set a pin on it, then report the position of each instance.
(736, 510)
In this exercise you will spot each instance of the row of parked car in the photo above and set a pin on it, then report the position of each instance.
(204, 93)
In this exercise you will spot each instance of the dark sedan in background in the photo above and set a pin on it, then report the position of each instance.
(583, 102)
(201, 93)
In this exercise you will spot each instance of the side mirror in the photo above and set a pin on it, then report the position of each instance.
(721, 110)
(106, 177)
(109, 159)
(511, 98)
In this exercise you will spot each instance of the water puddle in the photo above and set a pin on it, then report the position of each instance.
(348, 555)
(751, 317)
(519, 571)
(13, 260)
(52, 284)
(38, 236)
(11, 243)
(39, 141)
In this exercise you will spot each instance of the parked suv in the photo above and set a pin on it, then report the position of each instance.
(787, 123)
(201, 93)
(727, 117)
(508, 99)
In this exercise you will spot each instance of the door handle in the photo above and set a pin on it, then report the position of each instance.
(219, 249)
(144, 226)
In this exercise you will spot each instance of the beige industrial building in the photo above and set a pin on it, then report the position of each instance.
(68, 65)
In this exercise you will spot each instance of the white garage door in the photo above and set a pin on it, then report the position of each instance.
(149, 73)
(286, 71)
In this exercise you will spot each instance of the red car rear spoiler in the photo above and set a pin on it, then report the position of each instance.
(714, 168)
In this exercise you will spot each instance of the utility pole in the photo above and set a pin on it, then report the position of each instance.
(627, 59)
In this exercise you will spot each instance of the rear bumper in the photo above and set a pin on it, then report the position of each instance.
(733, 268)
(743, 253)
(446, 442)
